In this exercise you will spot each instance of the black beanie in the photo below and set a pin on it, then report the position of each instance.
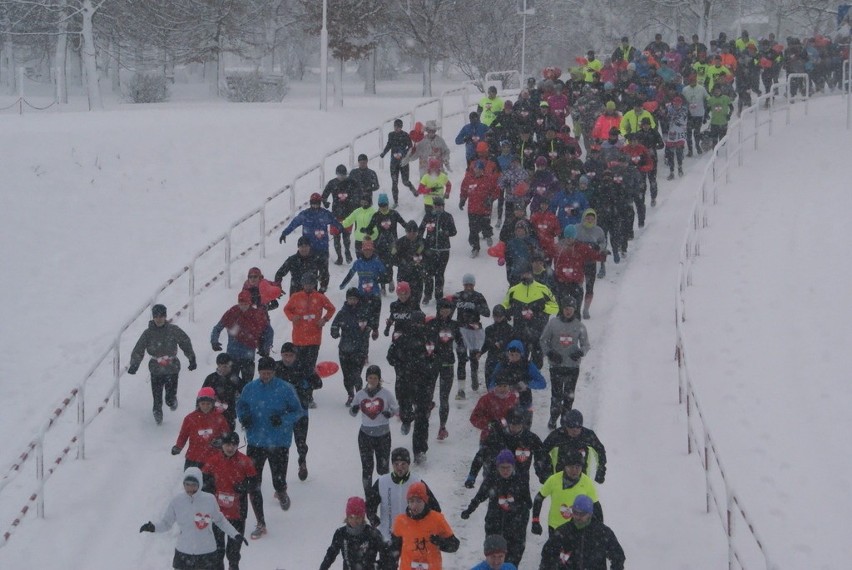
(400, 454)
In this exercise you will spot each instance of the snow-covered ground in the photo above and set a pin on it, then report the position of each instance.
(100, 208)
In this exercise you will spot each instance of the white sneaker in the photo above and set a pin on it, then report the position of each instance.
(474, 253)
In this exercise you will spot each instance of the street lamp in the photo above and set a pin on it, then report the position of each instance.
(525, 8)
(324, 58)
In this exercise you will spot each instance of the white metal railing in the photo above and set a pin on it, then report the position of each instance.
(746, 548)
(211, 265)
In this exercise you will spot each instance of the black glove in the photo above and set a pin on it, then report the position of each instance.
(555, 357)
(247, 422)
(577, 355)
(353, 410)
(374, 520)
(273, 304)
(470, 482)
(275, 420)
(438, 541)
(381, 155)
(325, 205)
(132, 368)
(216, 346)
(536, 528)
(175, 450)
(465, 514)
(192, 365)
(599, 477)
(461, 205)
(241, 538)
(241, 487)
(388, 414)
(263, 352)
(147, 527)
(282, 239)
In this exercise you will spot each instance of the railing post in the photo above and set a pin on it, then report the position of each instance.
(730, 525)
(116, 372)
(688, 419)
(756, 125)
(707, 470)
(263, 232)
(740, 143)
(228, 259)
(39, 451)
(352, 154)
(81, 421)
(192, 291)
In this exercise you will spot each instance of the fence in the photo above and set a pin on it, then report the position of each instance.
(22, 102)
(60, 434)
(746, 548)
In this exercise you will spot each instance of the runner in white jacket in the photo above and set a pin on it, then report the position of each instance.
(195, 512)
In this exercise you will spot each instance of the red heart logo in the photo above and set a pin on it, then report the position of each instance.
(372, 407)
(202, 520)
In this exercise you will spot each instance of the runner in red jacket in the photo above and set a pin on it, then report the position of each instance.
(547, 229)
(491, 408)
(201, 428)
(479, 190)
(569, 262)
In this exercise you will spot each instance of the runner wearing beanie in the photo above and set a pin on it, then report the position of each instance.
(421, 534)
(494, 548)
(377, 406)
(202, 429)
(360, 544)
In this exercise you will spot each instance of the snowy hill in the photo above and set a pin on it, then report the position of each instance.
(102, 208)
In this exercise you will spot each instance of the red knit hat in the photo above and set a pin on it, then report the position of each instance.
(356, 506)
(418, 490)
(244, 297)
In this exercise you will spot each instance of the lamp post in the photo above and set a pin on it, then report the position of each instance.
(324, 58)
(526, 7)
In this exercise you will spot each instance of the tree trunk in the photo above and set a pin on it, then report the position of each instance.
(370, 75)
(268, 59)
(87, 53)
(211, 75)
(338, 82)
(7, 62)
(427, 77)
(115, 68)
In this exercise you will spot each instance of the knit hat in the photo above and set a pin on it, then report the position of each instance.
(411, 226)
(569, 232)
(158, 311)
(583, 504)
(315, 198)
(206, 394)
(571, 457)
(610, 105)
(494, 544)
(431, 125)
(356, 507)
(481, 146)
(541, 161)
(232, 437)
(373, 370)
(383, 199)
(288, 347)
(244, 297)
(362, 157)
(505, 456)
(418, 490)
(341, 169)
(353, 292)
(265, 363)
(403, 287)
(498, 310)
(468, 279)
(303, 240)
(516, 416)
(224, 358)
(572, 419)
(400, 454)
(584, 179)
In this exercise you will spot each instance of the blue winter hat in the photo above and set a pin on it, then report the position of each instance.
(584, 179)
(583, 504)
(569, 232)
(383, 199)
(515, 345)
(505, 456)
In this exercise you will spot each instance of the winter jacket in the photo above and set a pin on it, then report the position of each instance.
(479, 192)
(261, 405)
(490, 411)
(366, 178)
(412, 535)
(390, 493)
(547, 230)
(470, 306)
(525, 445)
(345, 195)
(227, 390)
(297, 266)
(631, 120)
(509, 503)
(409, 255)
(510, 178)
(433, 186)
(399, 143)
(488, 109)
(562, 497)
(194, 515)
(530, 306)
(651, 140)
(519, 372)
(301, 378)
(201, 430)
(426, 149)
(308, 312)
(351, 325)
(361, 218)
(638, 156)
(519, 252)
(695, 99)
(569, 263)
(436, 229)
(569, 207)
(248, 331)
(412, 354)
(604, 124)
(370, 273)
(314, 222)
(497, 336)
(386, 224)
(565, 338)
(399, 313)
(162, 344)
(587, 548)
(373, 406)
(229, 479)
(543, 187)
(362, 548)
(528, 151)
(568, 170)
(446, 337)
(591, 234)
(469, 135)
(587, 443)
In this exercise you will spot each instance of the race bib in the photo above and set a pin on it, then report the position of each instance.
(342, 197)
(430, 227)
(566, 340)
(527, 313)
(205, 433)
(319, 234)
(386, 224)
(445, 336)
(225, 500)
(540, 190)
(522, 455)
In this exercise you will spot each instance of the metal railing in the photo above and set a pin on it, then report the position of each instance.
(211, 265)
(746, 547)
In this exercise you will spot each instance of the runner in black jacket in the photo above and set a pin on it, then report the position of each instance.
(399, 143)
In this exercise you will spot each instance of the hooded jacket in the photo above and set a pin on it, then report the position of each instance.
(195, 515)
(162, 344)
(248, 331)
(314, 222)
(259, 402)
(565, 338)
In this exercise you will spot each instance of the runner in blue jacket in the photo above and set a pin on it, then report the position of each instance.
(314, 221)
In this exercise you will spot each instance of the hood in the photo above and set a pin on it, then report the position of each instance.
(196, 473)
(517, 345)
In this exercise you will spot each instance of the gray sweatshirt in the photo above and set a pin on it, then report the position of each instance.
(565, 338)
